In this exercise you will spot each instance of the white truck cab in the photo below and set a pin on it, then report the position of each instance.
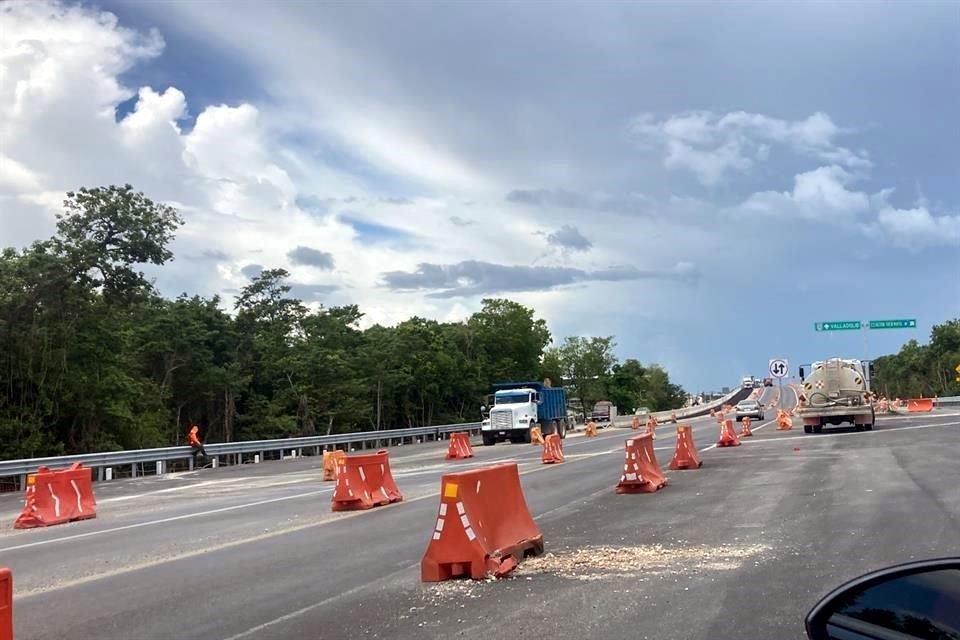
(512, 413)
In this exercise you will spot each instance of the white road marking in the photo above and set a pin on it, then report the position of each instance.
(150, 523)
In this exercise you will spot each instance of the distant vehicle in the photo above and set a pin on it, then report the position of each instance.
(768, 382)
(749, 409)
(836, 392)
(520, 406)
(643, 413)
(747, 382)
(757, 383)
(603, 412)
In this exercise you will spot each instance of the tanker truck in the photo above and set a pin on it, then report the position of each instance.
(835, 392)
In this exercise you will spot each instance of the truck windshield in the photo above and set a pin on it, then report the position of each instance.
(512, 398)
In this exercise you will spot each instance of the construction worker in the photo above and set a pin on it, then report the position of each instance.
(193, 439)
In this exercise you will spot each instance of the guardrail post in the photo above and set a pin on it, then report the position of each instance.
(190, 463)
(108, 474)
(299, 453)
(216, 462)
(159, 467)
(133, 470)
(23, 481)
(262, 456)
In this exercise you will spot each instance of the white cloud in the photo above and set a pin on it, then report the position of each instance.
(818, 194)
(712, 146)
(916, 227)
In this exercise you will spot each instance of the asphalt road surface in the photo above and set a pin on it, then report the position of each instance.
(740, 548)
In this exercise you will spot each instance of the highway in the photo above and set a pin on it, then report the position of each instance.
(741, 548)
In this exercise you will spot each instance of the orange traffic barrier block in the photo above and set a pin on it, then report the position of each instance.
(536, 436)
(685, 455)
(728, 438)
(552, 450)
(364, 481)
(460, 447)
(483, 528)
(6, 604)
(591, 429)
(55, 497)
(745, 428)
(330, 461)
(641, 471)
(920, 406)
(884, 405)
(652, 427)
(673, 418)
(635, 423)
(713, 413)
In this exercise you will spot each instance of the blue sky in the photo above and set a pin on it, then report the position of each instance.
(702, 180)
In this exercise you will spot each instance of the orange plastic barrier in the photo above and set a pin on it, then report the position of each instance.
(685, 455)
(55, 497)
(652, 427)
(728, 438)
(484, 526)
(784, 422)
(591, 429)
(920, 406)
(330, 461)
(745, 428)
(552, 450)
(635, 423)
(536, 436)
(460, 447)
(6, 604)
(364, 481)
(673, 418)
(641, 471)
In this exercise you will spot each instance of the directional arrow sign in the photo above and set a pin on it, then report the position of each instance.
(908, 323)
(839, 325)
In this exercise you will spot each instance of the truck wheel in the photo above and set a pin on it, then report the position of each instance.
(858, 428)
(554, 427)
(868, 427)
(563, 429)
(807, 428)
(527, 438)
(818, 428)
(489, 440)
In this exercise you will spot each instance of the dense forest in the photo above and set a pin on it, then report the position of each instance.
(92, 358)
(921, 370)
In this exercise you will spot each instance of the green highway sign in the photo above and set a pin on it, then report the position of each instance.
(909, 323)
(840, 325)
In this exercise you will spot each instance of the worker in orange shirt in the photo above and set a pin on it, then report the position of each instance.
(193, 439)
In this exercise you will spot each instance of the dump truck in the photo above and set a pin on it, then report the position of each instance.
(835, 392)
(520, 406)
(603, 412)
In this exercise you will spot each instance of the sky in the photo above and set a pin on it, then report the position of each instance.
(704, 181)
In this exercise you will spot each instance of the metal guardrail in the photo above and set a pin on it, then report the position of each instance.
(137, 457)
(133, 458)
(947, 400)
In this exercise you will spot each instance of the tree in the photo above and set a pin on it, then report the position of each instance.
(628, 385)
(586, 365)
(105, 232)
(92, 358)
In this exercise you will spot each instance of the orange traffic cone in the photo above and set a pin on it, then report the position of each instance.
(591, 429)
(745, 427)
(635, 423)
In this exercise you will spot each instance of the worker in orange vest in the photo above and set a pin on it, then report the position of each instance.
(193, 439)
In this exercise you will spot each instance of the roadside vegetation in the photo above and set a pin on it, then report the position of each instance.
(925, 370)
(93, 358)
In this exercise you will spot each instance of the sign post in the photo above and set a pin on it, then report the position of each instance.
(778, 369)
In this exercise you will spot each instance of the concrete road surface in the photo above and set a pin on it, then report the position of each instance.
(740, 548)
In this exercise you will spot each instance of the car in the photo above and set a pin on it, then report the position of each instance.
(749, 409)
(768, 382)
